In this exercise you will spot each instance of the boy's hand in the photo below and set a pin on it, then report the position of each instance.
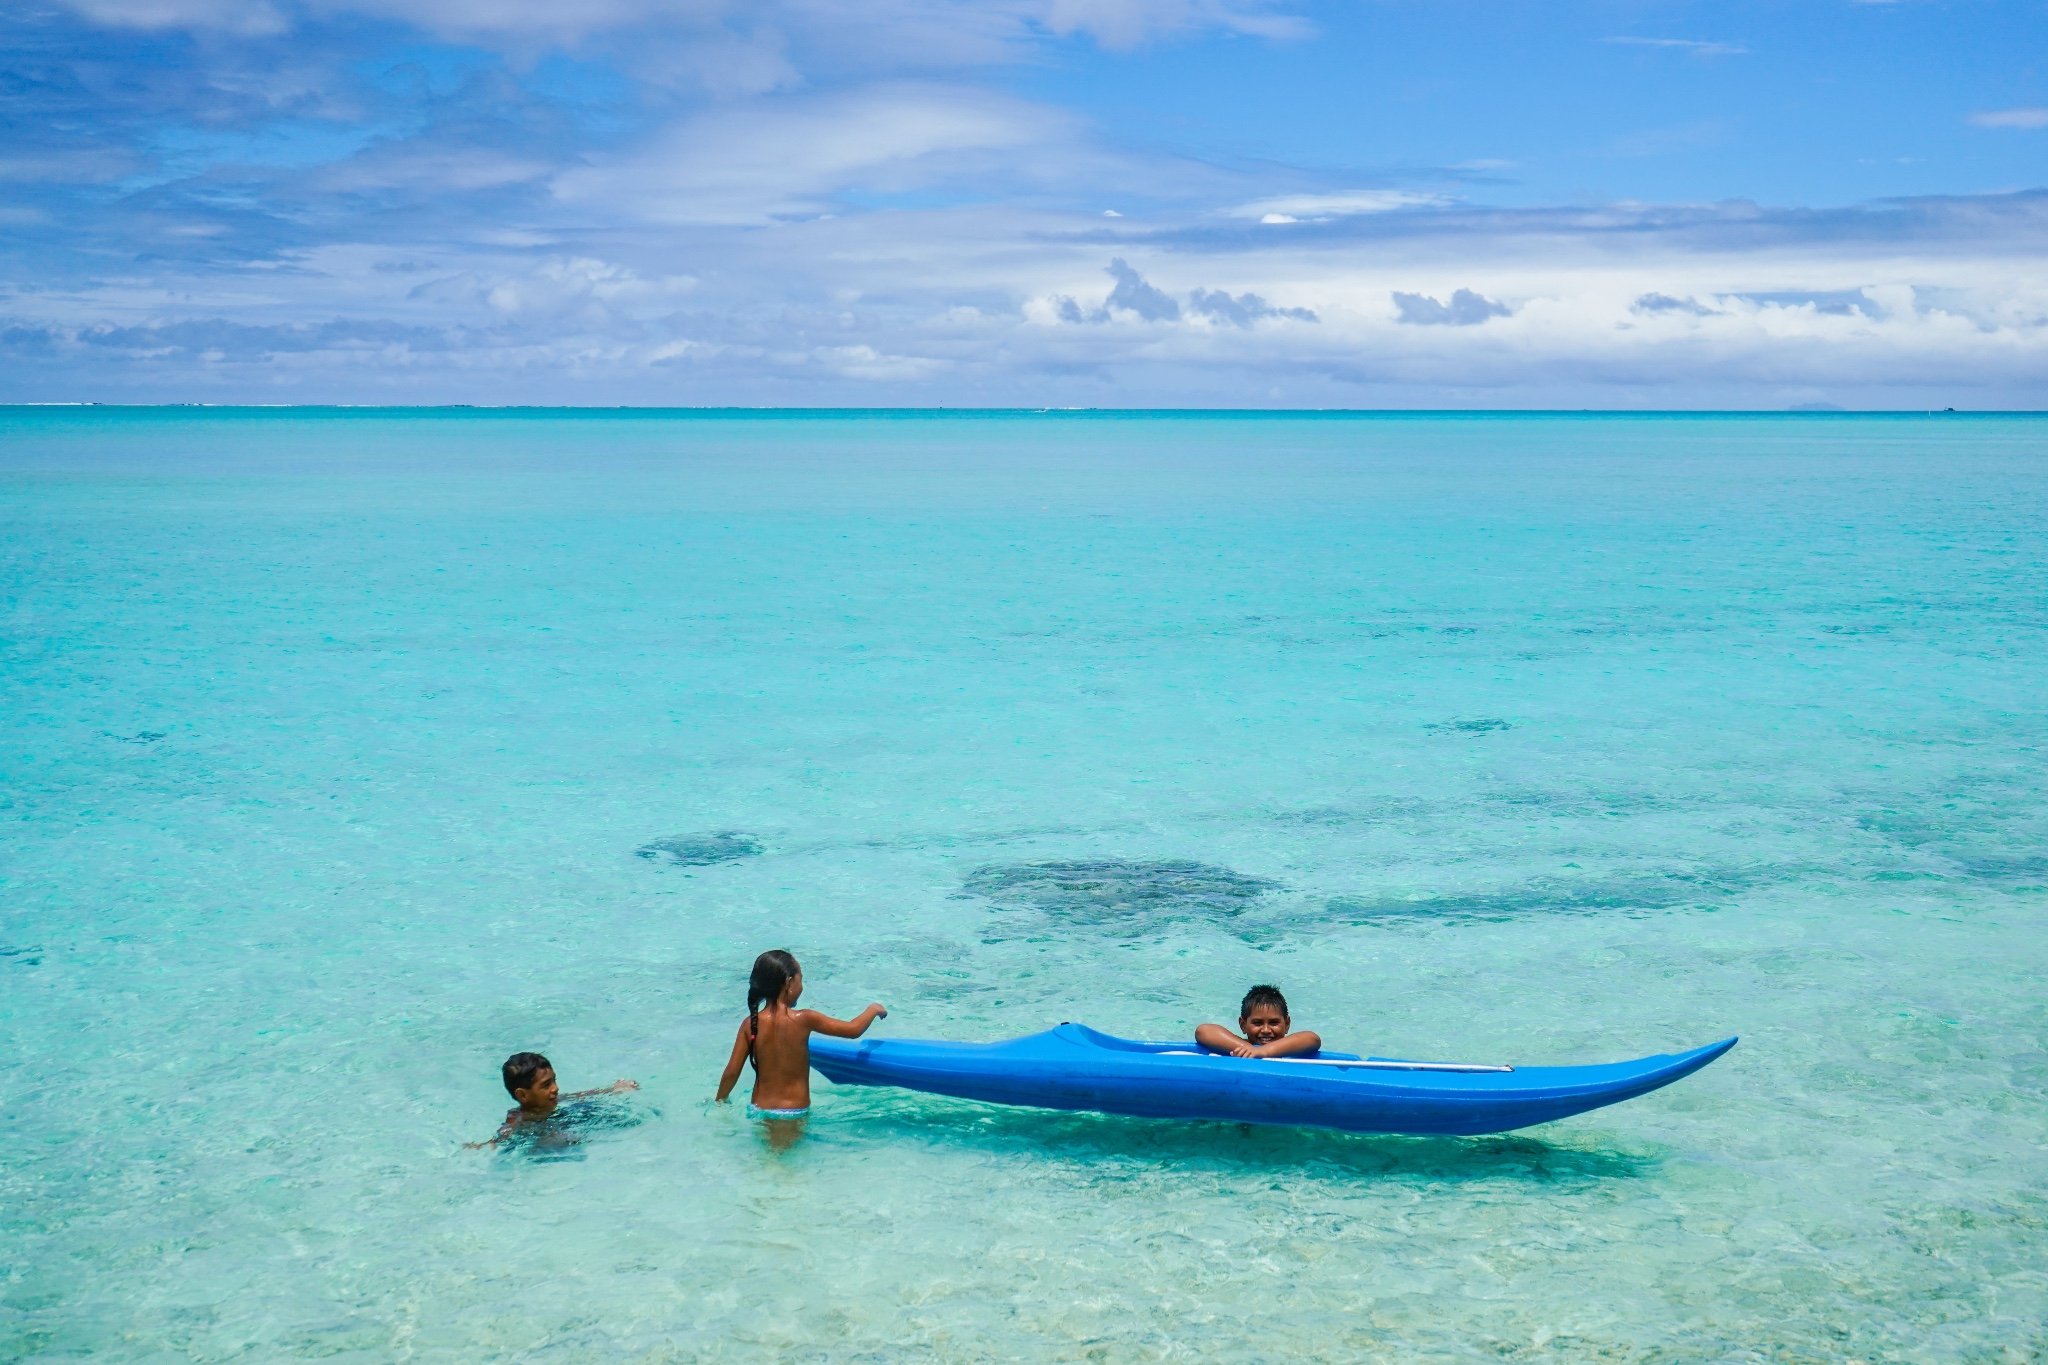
(881, 1011)
(624, 1085)
(1245, 1050)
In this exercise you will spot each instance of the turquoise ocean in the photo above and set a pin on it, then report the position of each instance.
(347, 751)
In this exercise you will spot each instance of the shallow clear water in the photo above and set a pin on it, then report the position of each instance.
(347, 753)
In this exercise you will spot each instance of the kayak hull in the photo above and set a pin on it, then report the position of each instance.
(1075, 1067)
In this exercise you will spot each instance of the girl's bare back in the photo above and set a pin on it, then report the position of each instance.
(777, 1038)
(782, 1058)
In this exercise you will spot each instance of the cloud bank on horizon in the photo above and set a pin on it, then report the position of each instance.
(1028, 202)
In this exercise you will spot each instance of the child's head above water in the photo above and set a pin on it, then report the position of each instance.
(1267, 1030)
(1263, 1015)
(530, 1080)
(773, 971)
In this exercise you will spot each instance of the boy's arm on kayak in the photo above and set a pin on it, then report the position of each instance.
(1293, 1045)
(1217, 1038)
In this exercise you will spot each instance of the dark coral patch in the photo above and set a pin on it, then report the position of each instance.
(1115, 891)
(701, 850)
(1468, 727)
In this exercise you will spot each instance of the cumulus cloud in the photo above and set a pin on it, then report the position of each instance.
(1243, 310)
(1664, 303)
(1133, 295)
(865, 362)
(1840, 303)
(1137, 297)
(1466, 309)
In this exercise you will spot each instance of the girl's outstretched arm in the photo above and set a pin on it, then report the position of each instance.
(843, 1028)
(731, 1076)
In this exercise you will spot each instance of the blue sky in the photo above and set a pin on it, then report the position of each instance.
(1466, 203)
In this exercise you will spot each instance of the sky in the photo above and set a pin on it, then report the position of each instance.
(1116, 203)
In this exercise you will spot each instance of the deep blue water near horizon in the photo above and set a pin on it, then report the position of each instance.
(350, 750)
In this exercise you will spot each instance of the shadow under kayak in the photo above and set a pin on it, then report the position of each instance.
(1074, 1067)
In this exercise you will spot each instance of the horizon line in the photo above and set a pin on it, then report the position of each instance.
(1024, 410)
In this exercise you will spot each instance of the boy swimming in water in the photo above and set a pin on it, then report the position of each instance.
(776, 1037)
(1267, 1029)
(530, 1079)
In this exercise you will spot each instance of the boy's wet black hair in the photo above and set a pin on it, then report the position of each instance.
(1263, 995)
(521, 1068)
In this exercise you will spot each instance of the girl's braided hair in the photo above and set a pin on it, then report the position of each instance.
(772, 971)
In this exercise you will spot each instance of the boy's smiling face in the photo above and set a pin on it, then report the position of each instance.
(1265, 1024)
(539, 1099)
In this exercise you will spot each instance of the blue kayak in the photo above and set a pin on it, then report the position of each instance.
(1074, 1067)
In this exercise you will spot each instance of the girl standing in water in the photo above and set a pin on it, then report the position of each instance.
(776, 1037)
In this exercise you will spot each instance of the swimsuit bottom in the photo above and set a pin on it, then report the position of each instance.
(755, 1111)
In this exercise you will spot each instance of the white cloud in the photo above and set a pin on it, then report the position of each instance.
(2030, 117)
(1292, 208)
(595, 291)
(790, 158)
(865, 362)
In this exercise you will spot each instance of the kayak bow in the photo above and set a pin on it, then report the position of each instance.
(1075, 1067)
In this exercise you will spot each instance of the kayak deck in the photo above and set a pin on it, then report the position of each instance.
(1075, 1067)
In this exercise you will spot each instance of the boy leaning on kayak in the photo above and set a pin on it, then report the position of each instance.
(1268, 1032)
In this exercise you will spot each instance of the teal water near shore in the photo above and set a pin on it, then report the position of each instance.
(348, 751)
